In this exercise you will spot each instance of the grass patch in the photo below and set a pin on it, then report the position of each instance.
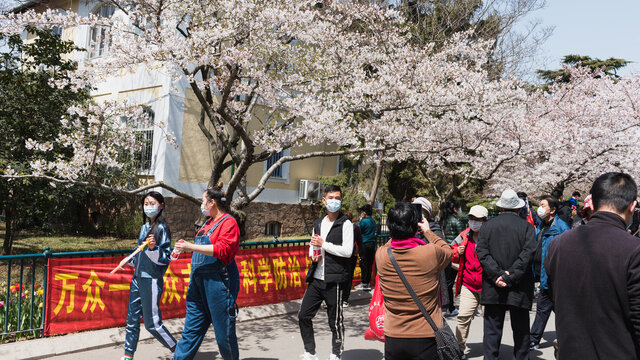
(37, 244)
(30, 242)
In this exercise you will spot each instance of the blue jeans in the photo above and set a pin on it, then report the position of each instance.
(211, 299)
(543, 311)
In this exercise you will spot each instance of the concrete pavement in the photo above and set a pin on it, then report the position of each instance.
(265, 333)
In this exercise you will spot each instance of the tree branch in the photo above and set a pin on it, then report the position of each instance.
(261, 184)
(106, 187)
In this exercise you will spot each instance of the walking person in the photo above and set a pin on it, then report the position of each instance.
(147, 284)
(407, 333)
(357, 245)
(594, 277)
(505, 249)
(368, 230)
(330, 250)
(554, 226)
(469, 280)
(452, 227)
(215, 282)
(434, 227)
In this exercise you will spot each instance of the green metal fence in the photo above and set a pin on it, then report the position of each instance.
(23, 291)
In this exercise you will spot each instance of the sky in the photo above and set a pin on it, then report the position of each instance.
(596, 28)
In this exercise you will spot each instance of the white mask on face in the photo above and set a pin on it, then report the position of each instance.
(333, 205)
(151, 211)
(205, 212)
(542, 212)
(475, 225)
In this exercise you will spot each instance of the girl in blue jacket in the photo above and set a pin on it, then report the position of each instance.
(147, 283)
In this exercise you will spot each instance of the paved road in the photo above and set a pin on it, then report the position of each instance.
(279, 338)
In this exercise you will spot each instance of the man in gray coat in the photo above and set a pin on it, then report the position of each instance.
(505, 249)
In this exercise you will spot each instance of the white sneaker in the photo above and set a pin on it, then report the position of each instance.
(361, 286)
(308, 356)
(334, 357)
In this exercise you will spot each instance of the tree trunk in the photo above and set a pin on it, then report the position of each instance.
(11, 231)
(376, 181)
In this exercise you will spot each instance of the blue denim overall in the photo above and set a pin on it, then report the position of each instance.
(211, 298)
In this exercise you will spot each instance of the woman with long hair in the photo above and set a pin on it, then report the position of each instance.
(147, 283)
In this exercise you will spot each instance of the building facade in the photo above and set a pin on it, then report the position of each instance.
(284, 208)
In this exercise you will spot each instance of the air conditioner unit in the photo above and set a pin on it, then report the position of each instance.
(310, 190)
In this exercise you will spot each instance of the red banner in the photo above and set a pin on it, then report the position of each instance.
(83, 295)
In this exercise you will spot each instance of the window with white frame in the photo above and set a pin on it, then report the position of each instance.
(282, 171)
(272, 160)
(99, 35)
(144, 139)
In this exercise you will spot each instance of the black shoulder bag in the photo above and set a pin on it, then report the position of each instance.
(446, 343)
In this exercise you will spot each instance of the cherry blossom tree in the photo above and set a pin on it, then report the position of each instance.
(324, 72)
(336, 72)
(585, 127)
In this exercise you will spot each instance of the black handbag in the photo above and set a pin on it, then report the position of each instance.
(446, 343)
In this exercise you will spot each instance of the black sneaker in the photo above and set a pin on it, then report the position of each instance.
(533, 346)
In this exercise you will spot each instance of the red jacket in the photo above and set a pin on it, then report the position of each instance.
(468, 255)
(225, 238)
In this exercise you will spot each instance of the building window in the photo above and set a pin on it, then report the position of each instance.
(57, 30)
(144, 139)
(278, 173)
(99, 38)
(340, 165)
(272, 228)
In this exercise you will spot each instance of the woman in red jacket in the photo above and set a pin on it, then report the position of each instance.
(469, 280)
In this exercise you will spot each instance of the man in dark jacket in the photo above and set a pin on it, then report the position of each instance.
(565, 210)
(505, 250)
(330, 250)
(594, 277)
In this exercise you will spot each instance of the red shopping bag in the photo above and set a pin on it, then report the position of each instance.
(376, 315)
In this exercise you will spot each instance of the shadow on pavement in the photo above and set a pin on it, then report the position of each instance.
(201, 355)
(369, 354)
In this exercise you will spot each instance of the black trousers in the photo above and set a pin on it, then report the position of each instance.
(450, 273)
(410, 349)
(346, 286)
(331, 294)
(367, 255)
(493, 324)
(543, 311)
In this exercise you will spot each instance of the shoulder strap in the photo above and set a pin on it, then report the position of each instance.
(217, 224)
(410, 289)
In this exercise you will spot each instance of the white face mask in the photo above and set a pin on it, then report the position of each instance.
(205, 212)
(151, 211)
(542, 212)
(475, 225)
(333, 205)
